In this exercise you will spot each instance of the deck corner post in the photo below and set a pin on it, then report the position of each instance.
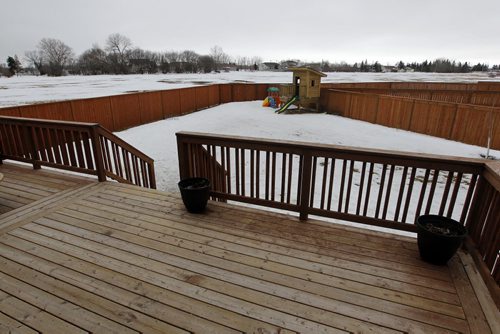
(305, 186)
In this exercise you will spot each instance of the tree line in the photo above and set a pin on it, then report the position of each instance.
(53, 57)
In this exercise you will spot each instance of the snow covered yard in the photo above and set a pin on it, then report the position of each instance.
(36, 89)
(251, 119)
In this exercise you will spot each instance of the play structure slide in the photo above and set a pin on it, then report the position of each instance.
(288, 104)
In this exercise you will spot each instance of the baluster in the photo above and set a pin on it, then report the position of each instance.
(401, 191)
(349, 184)
(430, 199)
(323, 184)
(389, 191)
(454, 194)
(422, 193)
(446, 192)
(361, 185)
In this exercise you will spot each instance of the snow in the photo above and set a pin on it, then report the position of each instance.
(251, 119)
(35, 89)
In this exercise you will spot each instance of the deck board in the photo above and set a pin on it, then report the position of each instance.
(113, 258)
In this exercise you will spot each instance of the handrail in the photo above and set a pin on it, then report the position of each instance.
(374, 187)
(79, 147)
(346, 189)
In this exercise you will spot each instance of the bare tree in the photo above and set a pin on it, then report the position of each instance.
(35, 58)
(93, 61)
(190, 60)
(51, 56)
(220, 58)
(118, 47)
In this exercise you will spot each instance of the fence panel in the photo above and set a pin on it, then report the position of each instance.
(363, 107)
(214, 95)
(96, 110)
(202, 95)
(125, 109)
(10, 111)
(171, 103)
(150, 107)
(54, 110)
(226, 93)
(394, 113)
(187, 98)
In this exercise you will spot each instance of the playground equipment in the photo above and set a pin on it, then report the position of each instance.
(273, 99)
(305, 90)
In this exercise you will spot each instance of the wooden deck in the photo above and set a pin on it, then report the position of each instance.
(111, 258)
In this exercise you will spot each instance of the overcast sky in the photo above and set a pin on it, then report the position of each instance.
(347, 30)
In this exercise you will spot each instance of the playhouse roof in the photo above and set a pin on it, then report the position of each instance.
(307, 69)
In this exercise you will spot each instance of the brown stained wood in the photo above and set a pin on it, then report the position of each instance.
(446, 191)
(381, 190)
(273, 176)
(349, 186)
(360, 190)
(237, 171)
(243, 169)
(124, 242)
(323, 183)
(257, 176)
(401, 192)
(79, 149)
(88, 153)
(313, 180)
(331, 184)
(423, 189)
(252, 173)
(283, 177)
(468, 198)
(388, 192)
(267, 180)
(228, 164)
(430, 198)
(409, 194)
(71, 147)
(476, 318)
(454, 194)
(290, 174)
(342, 183)
(368, 187)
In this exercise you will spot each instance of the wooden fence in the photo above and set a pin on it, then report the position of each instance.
(381, 188)
(120, 112)
(79, 147)
(413, 111)
(466, 123)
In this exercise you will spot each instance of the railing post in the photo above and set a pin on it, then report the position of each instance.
(182, 153)
(31, 140)
(99, 159)
(305, 186)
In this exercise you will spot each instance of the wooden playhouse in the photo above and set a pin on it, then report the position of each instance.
(305, 90)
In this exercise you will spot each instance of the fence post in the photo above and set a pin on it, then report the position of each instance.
(305, 186)
(99, 159)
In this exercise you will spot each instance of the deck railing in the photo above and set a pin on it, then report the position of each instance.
(381, 188)
(79, 147)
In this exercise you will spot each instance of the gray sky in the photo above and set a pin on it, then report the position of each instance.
(347, 30)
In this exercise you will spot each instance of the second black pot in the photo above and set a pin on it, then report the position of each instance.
(195, 192)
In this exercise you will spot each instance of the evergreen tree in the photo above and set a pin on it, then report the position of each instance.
(14, 65)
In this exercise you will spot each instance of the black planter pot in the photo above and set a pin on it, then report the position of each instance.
(438, 238)
(195, 193)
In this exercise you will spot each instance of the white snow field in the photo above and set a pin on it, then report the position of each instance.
(251, 119)
(35, 89)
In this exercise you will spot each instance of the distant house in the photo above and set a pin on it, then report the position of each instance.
(142, 65)
(285, 65)
(269, 66)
